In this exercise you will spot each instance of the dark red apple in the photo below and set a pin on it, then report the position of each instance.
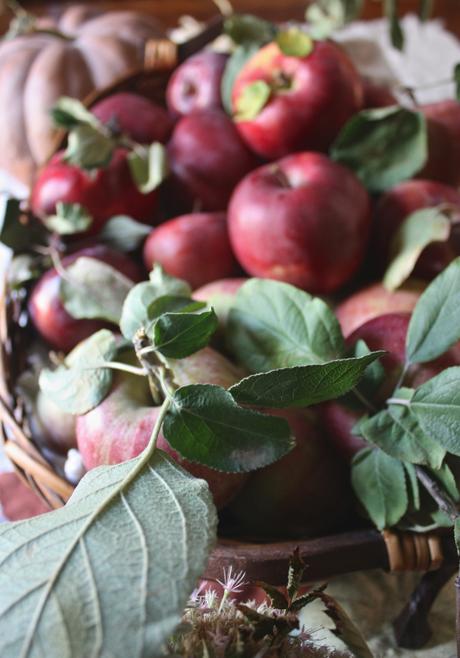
(377, 95)
(136, 116)
(304, 494)
(48, 314)
(311, 99)
(304, 220)
(399, 202)
(385, 332)
(196, 83)
(193, 247)
(104, 193)
(120, 427)
(208, 158)
(443, 121)
(375, 300)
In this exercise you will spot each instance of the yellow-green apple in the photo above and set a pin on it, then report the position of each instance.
(385, 332)
(304, 220)
(392, 209)
(443, 122)
(310, 99)
(207, 158)
(196, 83)
(304, 494)
(103, 193)
(120, 427)
(136, 116)
(374, 300)
(47, 312)
(193, 247)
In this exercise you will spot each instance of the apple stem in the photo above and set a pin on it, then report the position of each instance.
(439, 495)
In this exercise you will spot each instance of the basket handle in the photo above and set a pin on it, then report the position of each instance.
(164, 54)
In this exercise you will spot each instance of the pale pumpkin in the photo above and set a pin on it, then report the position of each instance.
(37, 68)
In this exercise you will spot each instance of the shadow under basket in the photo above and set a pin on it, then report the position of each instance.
(433, 555)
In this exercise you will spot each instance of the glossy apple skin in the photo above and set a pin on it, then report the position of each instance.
(135, 116)
(375, 300)
(104, 193)
(443, 142)
(196, 84)
(304, 494)
(49, 316)
(207, 159)
(120, 427)
(385, 332)
(325, 91)
(304, 220)
(193, 247)
(392, 209)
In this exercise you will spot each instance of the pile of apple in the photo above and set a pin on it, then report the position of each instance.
(250, 193)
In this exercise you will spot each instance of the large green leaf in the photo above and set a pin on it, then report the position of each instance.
(70, 218)
(435, 322)
(302, 386)
(380, 484)
(93, 289)
(383, 146)
(205, 425)
(177, 335)
(69, 112)
(89, 148)
(110, 573)
(82, 382)
(275, 325)
(123, 233)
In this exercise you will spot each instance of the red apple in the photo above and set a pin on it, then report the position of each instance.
(304, 220)
(385, 332)
(196, 84)
(104, 192)
(48, 314)
(57, 428)
(136, 116)
(377, 95)
(220, 295)
(399, 202)
(375, 300)
(304, 494)
(443, 142)
(208, 158)
(193, 247)
(311, 99)
(120, 427)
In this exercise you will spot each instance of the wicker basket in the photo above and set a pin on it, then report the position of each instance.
(433, 555)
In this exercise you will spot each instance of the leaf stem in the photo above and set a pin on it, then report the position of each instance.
(439, 495)
(148, 363)
(362, 398)
(124, 367)
(402, 375)
(401, 401)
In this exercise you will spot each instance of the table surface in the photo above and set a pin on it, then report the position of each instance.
(168, 11)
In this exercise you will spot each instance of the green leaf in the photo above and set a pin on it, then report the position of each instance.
(302, 386)
(275, 325)
(436, 405)
(205, 425)
(69, 113)
(110, 573)
(435, 321)
(445, 476)
(326, 16)
(252, 99)
(248, 29)
(148, 166)
(82, 382)
(413, 484)
(70, 218)
(457, 81)
(345, 629)
(396, 33)
(22, 269)
(374, 374)
(382, 146)
(234, 64)
(88, 148)
(167, 284)
(418, 230)
(294, 42)
(380, 484)
(146, 302)
(177, 335)
(457, 535)
(93, 289)
(397, 432)
(17, 232)
(123, 233)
